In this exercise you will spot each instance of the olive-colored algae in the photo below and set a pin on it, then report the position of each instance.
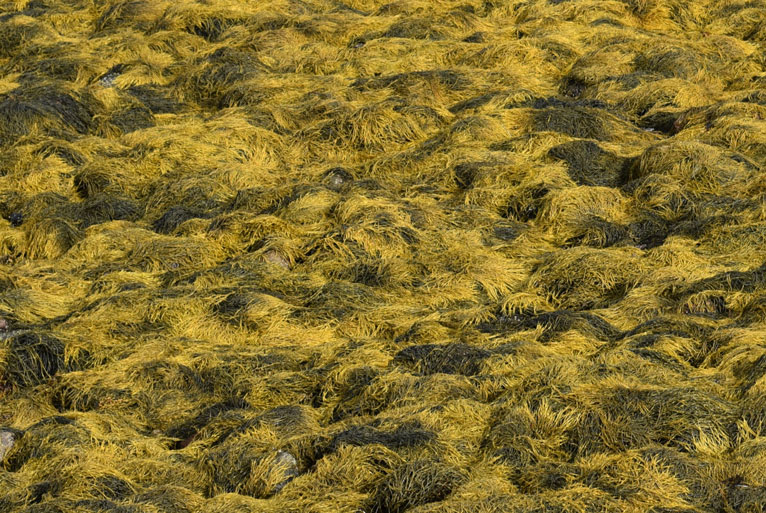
(382, 256)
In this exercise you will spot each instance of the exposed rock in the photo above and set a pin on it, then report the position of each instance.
(8, 438)
(276, 258)
(337, 178)
(289, 465)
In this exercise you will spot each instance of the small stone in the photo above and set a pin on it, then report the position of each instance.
(7, 440)
(3, 324)
(108, 79)
(337, 178)
(508, 231)
(16, 219)
(289, 464)
(275, 257)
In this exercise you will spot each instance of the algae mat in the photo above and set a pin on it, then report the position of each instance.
(314, 256)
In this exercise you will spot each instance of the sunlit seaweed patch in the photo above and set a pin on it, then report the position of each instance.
(365, 256)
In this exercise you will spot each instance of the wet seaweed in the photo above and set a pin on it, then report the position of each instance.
(403, 436)
(56, 109)
(33, 359)
(448, 358)
(581, 122)
(415, 484)
(589, 164)
(382, 256)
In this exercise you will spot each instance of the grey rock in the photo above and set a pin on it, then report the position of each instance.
(289, 464)
(12, 333)
(108, 79)
(274, 257)
(7, 440)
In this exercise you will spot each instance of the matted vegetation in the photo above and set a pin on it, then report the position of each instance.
(421, 255)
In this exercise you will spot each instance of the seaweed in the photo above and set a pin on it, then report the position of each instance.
(573, 87)
(401, 256)
(741, 281)
(240, 468)
(173, 217)
(553, 323)
(51, 238)
(472, 103)
(650, 230)
(526, 203)
(414, 28)
(632, 418)
(401, 81)
(90, 182)
(589, 164)
(581, 122)
(53, 430)
(448, 358)
(186, 431)
(155, 98)
(670, 62)
(169, 499)
(403, 436)
(62, 150)
(414, 484)
(465, 173)
(585, 278)
(133, 118)
(508, 230)
(33, 359)
(373, 272)
(557, 102)
(35, 492)
(210, 28)
(665, 122)
(599, 233)
(476, 37)
(14, 35)
(99, 505)
(54, 108)
(113, 487)
(101, 208)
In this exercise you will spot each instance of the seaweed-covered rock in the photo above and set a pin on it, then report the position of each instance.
(242, 469)
(406, 435)
(133, 118)
(46, 105)
(589, 164)
(583, 278)
(447, 358)
(172, 218)
(155, 98)
(285, 464)
(581, 122)
(414, 484)
(32, 358)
